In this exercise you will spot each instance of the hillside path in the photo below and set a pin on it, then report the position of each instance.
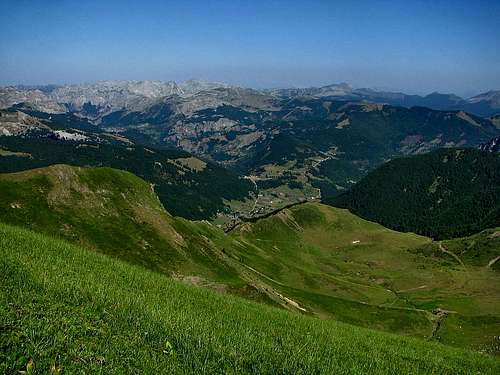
(445, 250)
(492, 262)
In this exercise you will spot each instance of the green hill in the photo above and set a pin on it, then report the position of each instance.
(66, 310)
(118, 214)
(480, 250)
(338, 265)
(444, 194)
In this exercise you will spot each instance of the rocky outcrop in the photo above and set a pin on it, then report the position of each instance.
(17, 123)
(491, 146)
(97, 99)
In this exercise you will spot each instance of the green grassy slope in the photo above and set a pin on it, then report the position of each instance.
(481, 249)
(300, 246)
(336, 264)
(67, 310)
(311, 258)
(443, 194)
(117, 213)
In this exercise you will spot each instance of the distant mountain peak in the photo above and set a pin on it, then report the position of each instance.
(446, 95)
(492, 95)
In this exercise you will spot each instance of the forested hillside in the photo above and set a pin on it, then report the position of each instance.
(444, 194)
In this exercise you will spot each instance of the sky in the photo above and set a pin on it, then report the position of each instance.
(412, 46)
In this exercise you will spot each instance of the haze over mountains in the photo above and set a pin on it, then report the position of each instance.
(113, 95)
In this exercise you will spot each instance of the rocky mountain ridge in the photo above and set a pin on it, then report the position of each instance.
(485, 104)
(95, 100)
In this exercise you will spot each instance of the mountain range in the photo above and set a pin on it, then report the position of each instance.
(97, 99)
(485, 104)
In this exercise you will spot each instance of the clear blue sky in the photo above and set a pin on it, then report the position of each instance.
(416, 46)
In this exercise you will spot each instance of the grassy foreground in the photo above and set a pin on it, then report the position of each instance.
(74, 311)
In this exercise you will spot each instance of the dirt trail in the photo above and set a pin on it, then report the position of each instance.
(249, 275)
(262, 274)
(492, 262)
(271, 292)
(445, 250)
(412, 289)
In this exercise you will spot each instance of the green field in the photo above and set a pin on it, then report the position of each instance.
(67, 310)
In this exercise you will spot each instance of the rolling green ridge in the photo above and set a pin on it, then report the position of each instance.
(481, 249)
(444, 194)
(311, 258)
(66, 310)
